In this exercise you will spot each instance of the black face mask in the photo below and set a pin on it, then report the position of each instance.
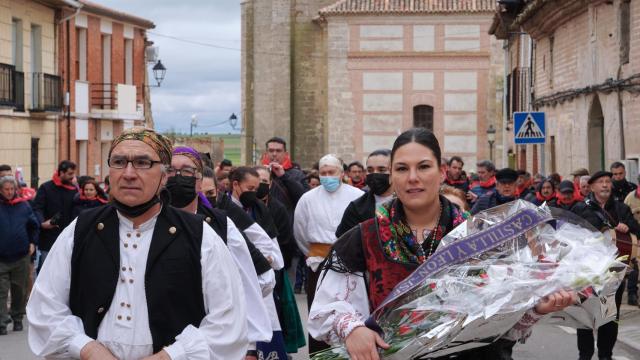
(135, 211)
(248, 199)
(378, 183)
(263, 191)
(182, 190)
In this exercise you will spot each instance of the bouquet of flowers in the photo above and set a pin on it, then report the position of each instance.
(487, 273)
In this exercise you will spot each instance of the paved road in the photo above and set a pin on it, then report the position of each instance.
(548, 342)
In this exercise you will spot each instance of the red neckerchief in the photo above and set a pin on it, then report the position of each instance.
(522, 188)
(542, 198)
(359, 185)
(101, 200)
(489, 183)
(568, 203)
(452, 182)
(286, 164)
(58, 182)
(15, 200)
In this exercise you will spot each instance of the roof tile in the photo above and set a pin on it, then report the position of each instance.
(357, 7)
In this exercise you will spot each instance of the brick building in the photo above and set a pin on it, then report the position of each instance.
(347, 76)
(579, 62)
(52, 47)
(30, 97)
(103, 66)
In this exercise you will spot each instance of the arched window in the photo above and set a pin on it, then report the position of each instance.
(596, 136)
(423, 116)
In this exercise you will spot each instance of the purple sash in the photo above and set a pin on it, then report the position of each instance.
(465, 249)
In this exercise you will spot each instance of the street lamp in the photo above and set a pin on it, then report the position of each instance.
(158, 73)
(233, 120)
(194, 123)
(491, 138)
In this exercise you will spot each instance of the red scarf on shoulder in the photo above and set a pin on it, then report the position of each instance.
(56, 180)
(489, 183)
(541, 198)
(286, 164)
(452, 182)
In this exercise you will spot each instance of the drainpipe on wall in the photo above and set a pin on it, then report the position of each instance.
(623, 152)
(78, 7)
(505, 106)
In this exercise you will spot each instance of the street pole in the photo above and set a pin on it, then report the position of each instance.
(491, 151)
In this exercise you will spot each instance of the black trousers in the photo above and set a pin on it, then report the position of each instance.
(607, 334)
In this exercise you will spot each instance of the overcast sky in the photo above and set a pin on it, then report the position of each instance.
(200, 80)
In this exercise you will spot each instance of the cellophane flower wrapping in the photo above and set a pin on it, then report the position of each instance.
(475, 302)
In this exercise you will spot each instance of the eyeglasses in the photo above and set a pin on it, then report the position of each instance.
(137, 163)
(186, 172)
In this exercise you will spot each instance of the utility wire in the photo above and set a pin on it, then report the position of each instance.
(223, 47)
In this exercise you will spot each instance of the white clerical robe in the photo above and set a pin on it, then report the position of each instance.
(56, 333)
(318, 215)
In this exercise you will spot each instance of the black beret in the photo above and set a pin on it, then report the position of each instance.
(598, 174)
(506, 175)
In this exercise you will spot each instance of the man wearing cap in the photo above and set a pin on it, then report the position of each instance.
(137, 278)
(566, 199)
(504, 192)
(316, 220)
(577, 175)
(604, 213)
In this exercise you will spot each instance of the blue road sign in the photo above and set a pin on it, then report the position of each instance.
(529, 127)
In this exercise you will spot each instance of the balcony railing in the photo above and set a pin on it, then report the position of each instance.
(120, 98)
(18, 90)
(46, 92)
(6, 85)
(104, 96)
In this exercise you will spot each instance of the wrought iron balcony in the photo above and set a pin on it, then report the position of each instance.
(18, 91)
(7, 85)
(46, 92)
(11, 87)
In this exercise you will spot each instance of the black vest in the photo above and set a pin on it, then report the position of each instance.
(173, 277)
(216, 218)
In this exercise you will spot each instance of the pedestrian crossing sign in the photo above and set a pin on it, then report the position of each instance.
(529, 127)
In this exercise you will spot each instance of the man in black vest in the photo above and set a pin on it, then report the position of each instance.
(137, 278)
(185, 186)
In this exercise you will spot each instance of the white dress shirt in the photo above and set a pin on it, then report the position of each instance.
(56, 333)
(258, 320)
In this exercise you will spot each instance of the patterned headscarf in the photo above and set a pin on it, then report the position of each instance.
(159, 143)
(191, 153)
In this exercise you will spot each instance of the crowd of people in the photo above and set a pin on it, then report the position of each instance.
(177, 256)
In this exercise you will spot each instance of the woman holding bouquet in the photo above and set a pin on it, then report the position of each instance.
(386, 249)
